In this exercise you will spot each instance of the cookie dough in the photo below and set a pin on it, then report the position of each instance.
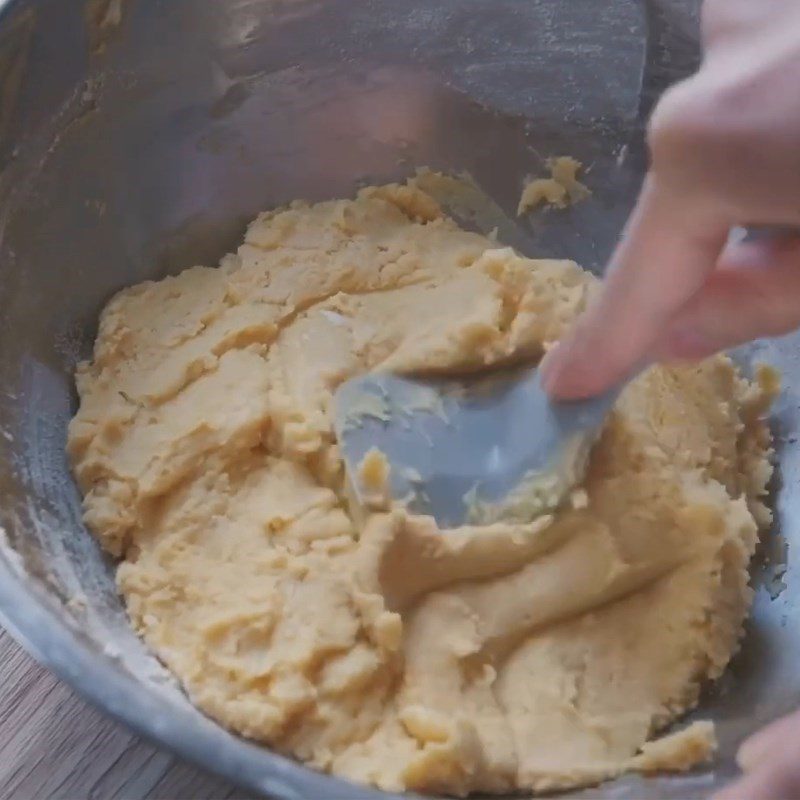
(538, 655)
(560, 190)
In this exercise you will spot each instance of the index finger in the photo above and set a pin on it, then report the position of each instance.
(669, 248)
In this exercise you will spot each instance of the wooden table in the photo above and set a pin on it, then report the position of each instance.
(54, 746)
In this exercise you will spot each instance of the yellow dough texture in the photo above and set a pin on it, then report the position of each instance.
(560, 190)
(373, 645)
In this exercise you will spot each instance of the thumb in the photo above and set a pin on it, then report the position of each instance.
(769, 760)
(757, 749)
(775, 779)
(755, 292)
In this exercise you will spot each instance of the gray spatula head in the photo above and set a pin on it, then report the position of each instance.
(477, 450)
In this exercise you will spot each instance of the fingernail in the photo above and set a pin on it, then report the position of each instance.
(558, 378)
(752, 750)
(548, 367)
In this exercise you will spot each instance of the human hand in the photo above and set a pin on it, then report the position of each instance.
(725, 152)
(770, 763)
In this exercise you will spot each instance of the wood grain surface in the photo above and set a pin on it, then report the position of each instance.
(54, 746)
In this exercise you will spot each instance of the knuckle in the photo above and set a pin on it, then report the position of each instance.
(699, 128)
(720, 19)
(713, 20)
(679, 123)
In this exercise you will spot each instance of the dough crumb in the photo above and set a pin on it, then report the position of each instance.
(560, 190)
(373, 479)
(77, 603)
(679, 751)
(579, 499)
(769, 380)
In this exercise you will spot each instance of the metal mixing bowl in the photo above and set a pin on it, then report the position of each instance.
(137, 139)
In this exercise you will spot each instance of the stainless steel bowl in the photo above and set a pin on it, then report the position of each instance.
(137, 139)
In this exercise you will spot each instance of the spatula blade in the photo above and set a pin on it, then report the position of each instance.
(469, 451)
